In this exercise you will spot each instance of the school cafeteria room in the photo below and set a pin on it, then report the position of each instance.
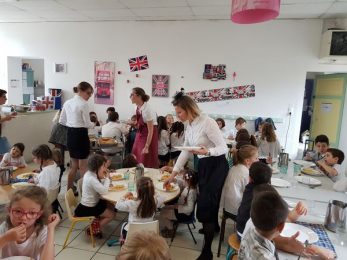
(173, 129)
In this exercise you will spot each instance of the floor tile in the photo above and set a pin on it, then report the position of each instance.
(110, 250)
(183, 253)
(57, 249)
(79, 225)
(103, 257)
(61, 232)
(82, 241)
(73, 254)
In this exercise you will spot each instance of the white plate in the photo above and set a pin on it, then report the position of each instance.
(312, 172)
(187, 148)
(25, 176)
(121, 176)
(308, 180)
(19, 185)
(159, 186)
(304, 163)
(305, 233)
(276, 182)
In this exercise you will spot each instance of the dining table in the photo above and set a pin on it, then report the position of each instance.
(154, 174)
(316, 198)
(5, 190)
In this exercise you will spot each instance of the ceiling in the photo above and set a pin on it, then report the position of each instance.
(153, 10)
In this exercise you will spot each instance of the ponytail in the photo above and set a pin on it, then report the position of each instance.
(245, 152)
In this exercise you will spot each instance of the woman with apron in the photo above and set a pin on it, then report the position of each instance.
(75, 115)
(212, 166)
(146, 141)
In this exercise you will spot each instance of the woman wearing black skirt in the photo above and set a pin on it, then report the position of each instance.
(202, 131)
(75, 115)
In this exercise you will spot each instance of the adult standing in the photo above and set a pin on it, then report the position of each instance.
(75, 115)
(212, 166)
(4, 144)
(146, 141)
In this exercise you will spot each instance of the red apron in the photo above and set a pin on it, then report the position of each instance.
(150, 159)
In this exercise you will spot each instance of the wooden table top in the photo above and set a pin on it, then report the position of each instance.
(5, 190)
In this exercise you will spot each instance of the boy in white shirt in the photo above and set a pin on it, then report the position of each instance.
(331, 164)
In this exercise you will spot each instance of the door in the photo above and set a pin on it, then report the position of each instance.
(328, 101)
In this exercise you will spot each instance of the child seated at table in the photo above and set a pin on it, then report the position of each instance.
(321, 145)
(141, 246)
(238, 178)
(29, 228)
(182, 210)
(331, 164)
(268, 213)
(14, 157)
(48, 177)
(141, 209)
(130, 161)
(96, 182)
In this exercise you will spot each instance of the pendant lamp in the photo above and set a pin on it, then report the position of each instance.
(254, 11)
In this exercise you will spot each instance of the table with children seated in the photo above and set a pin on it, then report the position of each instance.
(154, 174)
(316, 200)
(7, 189)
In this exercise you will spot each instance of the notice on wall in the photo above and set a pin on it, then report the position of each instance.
(326, 107)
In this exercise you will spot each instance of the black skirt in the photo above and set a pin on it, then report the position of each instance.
(212, 172)
(78, 142)
(97, 210)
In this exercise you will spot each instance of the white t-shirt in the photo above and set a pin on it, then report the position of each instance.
(339, 176)
(8, 160)
(234, 186)
(114, 130)
(148, 114)
(163, 142)
(131, 207)
(32, 247)
(92, 188)
(48, 177)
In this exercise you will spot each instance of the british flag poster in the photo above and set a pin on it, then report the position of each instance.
(222, 94)
(160, 85)
(138, 63)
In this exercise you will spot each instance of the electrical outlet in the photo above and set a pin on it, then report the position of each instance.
(290, 110)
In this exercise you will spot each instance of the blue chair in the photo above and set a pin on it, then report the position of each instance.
(190, 221)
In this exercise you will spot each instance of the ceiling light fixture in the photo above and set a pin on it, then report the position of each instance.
(254, 11)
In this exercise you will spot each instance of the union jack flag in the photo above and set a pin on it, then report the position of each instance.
(138, 63)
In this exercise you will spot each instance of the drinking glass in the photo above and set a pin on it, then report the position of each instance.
(131, 186)
(297, 168)
(126, 175)
(283, 170)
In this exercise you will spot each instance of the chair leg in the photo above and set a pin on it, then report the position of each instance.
(68, 234)
(193, 225)
(91, 234)
(221, 237)
(175, 226)
(191, 233)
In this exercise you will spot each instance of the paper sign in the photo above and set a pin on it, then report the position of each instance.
(326, 107)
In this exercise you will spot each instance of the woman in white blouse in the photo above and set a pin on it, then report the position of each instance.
(75, 115)
(212, 165)
(146, 141)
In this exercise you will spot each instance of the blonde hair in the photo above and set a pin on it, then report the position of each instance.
(245, 152)
(144, 245)
(37, 195)
(187, 104)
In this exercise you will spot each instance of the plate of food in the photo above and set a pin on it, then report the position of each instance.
(304, 233)
(19, 185)
(117, 187)
(312, 172)
(304, 163)
(170, 187)
(187, 148)
(26, 176)
(280, 183)
(308, 180)
(107, 140)
(116, 176)
(164, 177)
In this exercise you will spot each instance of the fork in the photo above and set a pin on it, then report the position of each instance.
(306, 244)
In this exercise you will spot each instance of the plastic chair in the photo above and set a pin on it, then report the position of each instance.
(138, 227)
(71, 202)
(191, 221)
(225, 216)
(234, 246)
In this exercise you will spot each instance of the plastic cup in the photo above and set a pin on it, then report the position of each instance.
(283, 169)
(297, 168)
(126, 175)
(131, 186)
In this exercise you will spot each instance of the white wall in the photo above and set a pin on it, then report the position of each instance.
(274, 56)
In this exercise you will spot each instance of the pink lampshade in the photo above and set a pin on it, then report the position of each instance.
(254, 11)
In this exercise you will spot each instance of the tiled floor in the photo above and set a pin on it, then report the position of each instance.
(79, 245)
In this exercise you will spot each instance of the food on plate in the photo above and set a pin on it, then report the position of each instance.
(165, 177)
(116, 177)
(117, 187)
(169, 187)
(129, 196)
(26, 176)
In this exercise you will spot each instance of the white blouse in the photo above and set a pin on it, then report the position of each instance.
(163, 142)
(48, 177)
(114, 129)
(148, 114)
(75, 113)
(92, 188)
(203, 131)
